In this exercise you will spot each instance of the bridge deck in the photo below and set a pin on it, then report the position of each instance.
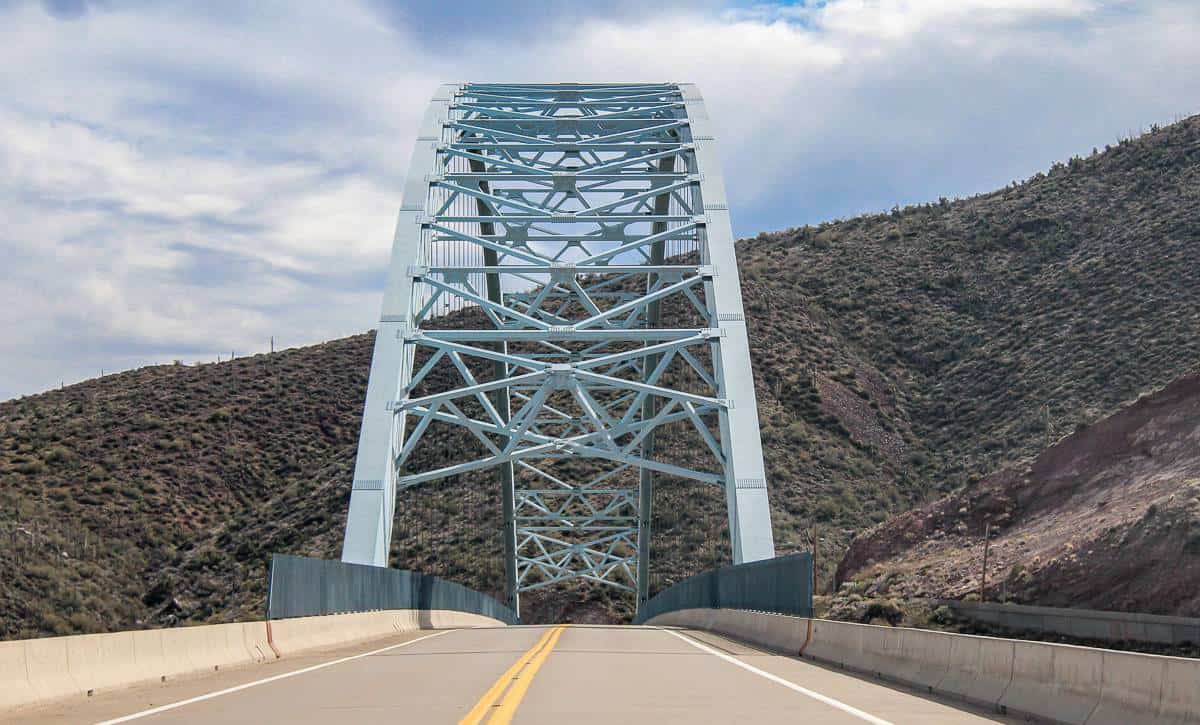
(580, 674)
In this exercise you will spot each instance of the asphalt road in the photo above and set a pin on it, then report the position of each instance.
(533, 675)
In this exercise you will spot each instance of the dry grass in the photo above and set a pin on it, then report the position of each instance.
(896, 355)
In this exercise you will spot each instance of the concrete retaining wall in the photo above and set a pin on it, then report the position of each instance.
(35, 671)
(1050, 682)
(1081, 623)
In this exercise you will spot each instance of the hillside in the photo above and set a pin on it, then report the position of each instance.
(1107, 518)
(897, 356)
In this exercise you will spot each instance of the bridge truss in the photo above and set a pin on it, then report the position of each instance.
(579, 237)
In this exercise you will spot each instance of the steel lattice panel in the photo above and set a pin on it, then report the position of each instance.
(582, 232)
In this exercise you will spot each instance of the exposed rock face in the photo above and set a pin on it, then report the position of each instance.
(1107, 518)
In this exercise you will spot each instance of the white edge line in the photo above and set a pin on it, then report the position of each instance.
(786, 683)
(256, 683)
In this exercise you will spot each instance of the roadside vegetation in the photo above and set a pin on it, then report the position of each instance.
(898, 356)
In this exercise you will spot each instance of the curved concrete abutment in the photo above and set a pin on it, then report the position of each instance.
(1049, 682)
(54, 669)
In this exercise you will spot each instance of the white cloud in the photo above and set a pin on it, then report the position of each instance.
(181, 180)
(893, 20)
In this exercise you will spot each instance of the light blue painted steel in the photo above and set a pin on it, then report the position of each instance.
(593, 206)
(373, 495)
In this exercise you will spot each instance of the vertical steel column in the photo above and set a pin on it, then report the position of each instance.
(662, 205)
(503, 403)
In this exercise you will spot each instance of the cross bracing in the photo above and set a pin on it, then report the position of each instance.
(581, 233)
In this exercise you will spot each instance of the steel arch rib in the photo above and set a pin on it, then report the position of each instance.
(583, 210)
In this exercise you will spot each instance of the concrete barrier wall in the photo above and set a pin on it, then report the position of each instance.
(1081, 623)
(775, 632)
(925, 659)
(46, 664)
(445, 619)
(1180, 698)
(1053, 682)
(980, 669)
(14, 676)
(35, 671)
(1070, 677)
(1130, 686)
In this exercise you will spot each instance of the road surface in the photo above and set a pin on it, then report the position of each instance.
(531, 675)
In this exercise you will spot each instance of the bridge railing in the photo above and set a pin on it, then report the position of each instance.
(783, 585)
(302, 587)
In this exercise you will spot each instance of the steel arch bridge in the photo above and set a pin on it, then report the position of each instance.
(581, 237)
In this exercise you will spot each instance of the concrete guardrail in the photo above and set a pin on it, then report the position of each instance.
(1049, 682)
(1080, 623)
(35, 671)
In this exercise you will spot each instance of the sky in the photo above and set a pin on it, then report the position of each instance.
(182, 180)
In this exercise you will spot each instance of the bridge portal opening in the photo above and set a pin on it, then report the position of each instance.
(562, 326)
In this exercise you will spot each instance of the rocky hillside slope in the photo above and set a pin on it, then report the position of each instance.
(896, 355)
(1107, 518)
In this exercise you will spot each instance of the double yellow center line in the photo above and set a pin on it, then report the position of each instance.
(499, 703)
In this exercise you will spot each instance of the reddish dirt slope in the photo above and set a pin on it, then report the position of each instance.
(1108, 518)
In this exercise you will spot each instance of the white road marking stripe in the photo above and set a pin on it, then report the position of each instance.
(256, 683)
(786, 683)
